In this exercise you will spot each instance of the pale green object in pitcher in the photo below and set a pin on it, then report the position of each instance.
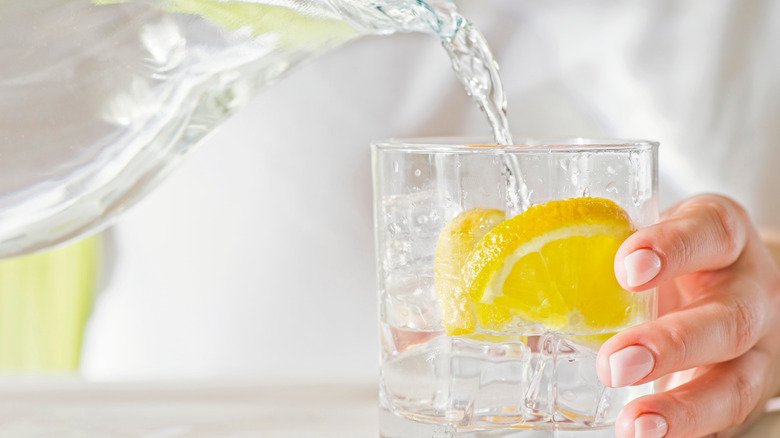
(293, 28)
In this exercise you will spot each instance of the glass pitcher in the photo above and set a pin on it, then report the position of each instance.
(99, 100)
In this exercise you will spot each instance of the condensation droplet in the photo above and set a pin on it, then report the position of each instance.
(611, 187)
(396, 166)
(417, 172)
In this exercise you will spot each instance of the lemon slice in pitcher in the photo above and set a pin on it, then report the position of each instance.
(552, 264)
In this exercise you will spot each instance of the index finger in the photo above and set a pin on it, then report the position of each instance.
(704, 233)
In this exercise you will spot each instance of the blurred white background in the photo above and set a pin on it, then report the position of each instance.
(255, 258)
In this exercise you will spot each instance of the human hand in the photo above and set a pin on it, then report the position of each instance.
(716, 343)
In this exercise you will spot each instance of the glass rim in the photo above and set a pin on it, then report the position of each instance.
(525, 145)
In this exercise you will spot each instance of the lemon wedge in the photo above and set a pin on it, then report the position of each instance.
(550, 265)
(553, 264)
(455, 244)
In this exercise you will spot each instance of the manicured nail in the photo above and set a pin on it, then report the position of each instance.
(650, 426)
(629, 365)
(642, 266)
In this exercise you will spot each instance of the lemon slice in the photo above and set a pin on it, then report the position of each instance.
(552, 264)
(456, 242)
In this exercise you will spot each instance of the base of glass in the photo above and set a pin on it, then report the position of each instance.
(394, 426)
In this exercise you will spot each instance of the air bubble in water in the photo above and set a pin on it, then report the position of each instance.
(527, 199)
(417, 172)
(637, 198)
(575, 176)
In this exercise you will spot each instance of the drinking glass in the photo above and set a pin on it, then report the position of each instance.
(461, 363)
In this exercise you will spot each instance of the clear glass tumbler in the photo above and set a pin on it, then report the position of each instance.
(497, 286)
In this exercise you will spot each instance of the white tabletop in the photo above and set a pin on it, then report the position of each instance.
(66, 408)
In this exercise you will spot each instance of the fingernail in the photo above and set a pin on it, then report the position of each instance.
(629, 365)
(650, 426)
(642, 266)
